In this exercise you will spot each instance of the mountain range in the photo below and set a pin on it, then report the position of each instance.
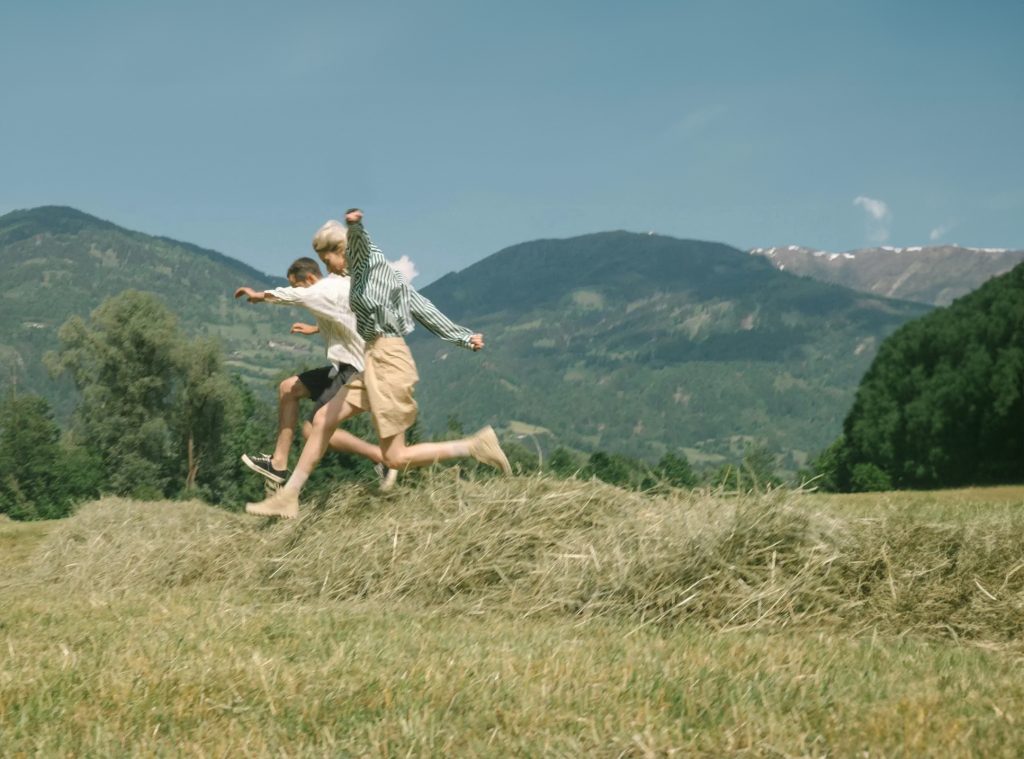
(58, 262)
(935, 274)
(626, 342)
(644, 343)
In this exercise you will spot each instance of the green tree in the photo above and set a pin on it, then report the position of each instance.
(337, 469)
(674, 469)
(943, 401)
(225, 480)
(41, 478)
(616, 469)
(455, 430)
(124, 363)
(759, 466)
(868, 478)
(523, 459)
(563, 462)
(727, 476)
(217, 416)
(756, 471)
(829, 470)
(157, 410)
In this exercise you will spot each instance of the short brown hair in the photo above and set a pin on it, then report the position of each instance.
(303, 267)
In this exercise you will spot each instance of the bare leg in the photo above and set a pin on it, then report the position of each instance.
(345, 442)
(289, 393)
(483, 446)
(324, 426)
(398, 455)
(285, 502)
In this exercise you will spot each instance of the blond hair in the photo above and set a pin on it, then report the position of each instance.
(331, 236)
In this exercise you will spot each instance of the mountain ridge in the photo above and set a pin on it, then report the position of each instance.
(21, 224)
(689, 332)
(935, 274)
(623, 341)
(61, 262)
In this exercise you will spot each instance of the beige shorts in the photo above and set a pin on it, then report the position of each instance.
(385, 386)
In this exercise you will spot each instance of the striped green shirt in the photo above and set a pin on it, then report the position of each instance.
(384, 302)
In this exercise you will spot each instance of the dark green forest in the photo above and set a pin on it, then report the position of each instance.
(943, 402)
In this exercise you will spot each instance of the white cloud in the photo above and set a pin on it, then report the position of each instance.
(406, 267)
(879, 217)
(938, 233)
(877, 209)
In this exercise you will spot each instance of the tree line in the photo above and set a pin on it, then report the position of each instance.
(160, 416)
(942, 405)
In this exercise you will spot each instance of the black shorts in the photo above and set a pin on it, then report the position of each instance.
(322, 387)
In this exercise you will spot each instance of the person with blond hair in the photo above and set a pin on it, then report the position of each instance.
(327, 300)
(385, 305)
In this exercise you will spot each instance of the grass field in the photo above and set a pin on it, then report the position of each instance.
(520, 617)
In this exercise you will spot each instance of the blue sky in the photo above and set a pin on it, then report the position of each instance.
(465, 127)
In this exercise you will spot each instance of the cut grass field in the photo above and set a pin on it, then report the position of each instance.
(519, 617)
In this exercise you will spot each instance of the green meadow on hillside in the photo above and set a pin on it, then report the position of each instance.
(521, 616)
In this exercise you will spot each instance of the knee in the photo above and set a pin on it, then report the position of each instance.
(394, 460)
(317, 423)
(291, 388)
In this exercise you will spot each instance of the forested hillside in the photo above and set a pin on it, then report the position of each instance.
(943, 402)
(637, 344)
(644, 343)
(59, 262)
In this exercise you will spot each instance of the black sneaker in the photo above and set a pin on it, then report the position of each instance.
(262, 466)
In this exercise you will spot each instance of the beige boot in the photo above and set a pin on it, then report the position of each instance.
(486, 449)
(284, 504)
(387, 482)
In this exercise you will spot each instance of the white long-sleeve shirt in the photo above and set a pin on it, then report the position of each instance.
(328, 301)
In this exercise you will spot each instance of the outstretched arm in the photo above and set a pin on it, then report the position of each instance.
(426, 313)
(253, 296)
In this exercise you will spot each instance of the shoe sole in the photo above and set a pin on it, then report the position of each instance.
(257, 512)
(276, 478)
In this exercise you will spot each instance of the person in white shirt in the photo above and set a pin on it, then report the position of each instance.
(327, 299)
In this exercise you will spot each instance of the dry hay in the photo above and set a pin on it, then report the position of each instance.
(529, 546)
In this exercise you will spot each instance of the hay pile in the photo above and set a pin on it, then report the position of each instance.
(530, 546)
